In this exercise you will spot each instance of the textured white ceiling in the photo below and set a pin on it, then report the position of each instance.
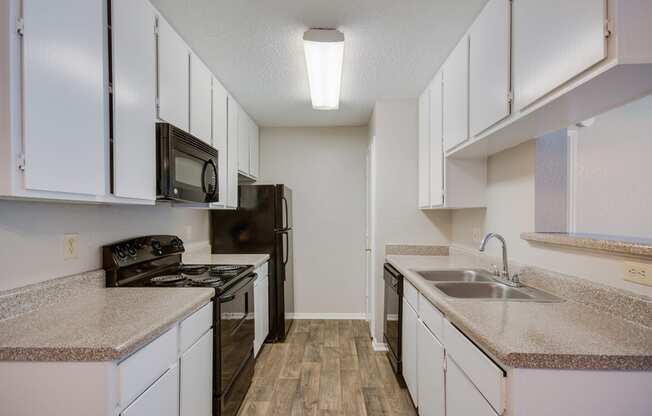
(392, 49)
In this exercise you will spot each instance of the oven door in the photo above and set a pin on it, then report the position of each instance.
(237, 330)
(392, 315)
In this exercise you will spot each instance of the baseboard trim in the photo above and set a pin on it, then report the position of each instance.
(379, 346)
(303, 315)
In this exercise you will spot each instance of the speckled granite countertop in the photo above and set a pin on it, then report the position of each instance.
(97, 324)
(255, 260)
(567, 335)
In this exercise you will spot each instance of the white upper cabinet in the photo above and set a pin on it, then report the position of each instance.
(424, 149)
(200, 99)
(173, 76)
(64, 96)
(134, 99)
(254, 144)
(456, 95)
(232, 154)
(243, 141)
(489, 66)
(553, 42)
(220, 139)
(436, 145)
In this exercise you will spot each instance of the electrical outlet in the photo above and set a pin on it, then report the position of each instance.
(637, 272)
(70, 246)
(477, 235)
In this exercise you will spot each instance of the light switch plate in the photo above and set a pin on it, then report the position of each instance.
(638, 272)
(70, 246)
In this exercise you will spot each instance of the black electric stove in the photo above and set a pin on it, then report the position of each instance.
(155, 261)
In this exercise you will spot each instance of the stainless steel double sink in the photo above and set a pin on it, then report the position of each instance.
(482, 285)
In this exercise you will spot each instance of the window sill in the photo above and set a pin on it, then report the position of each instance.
(629, 246)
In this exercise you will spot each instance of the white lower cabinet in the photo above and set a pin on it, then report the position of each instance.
(161, 398)
(430, 373)
(261, 308)
(196, 385)
(409, 350)
(462, 398)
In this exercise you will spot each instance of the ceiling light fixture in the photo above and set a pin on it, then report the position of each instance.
(324, 49)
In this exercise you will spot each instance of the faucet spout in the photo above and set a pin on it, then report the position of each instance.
(483, 245)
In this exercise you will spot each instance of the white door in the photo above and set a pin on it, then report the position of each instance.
(258, 321)
(134, 99)
(232, 154)
(369, 234)
(200, 99)
(196, 386)
(243, 141)
(430, 363)
(553, 41)
(161, 398)
(424, 149)
(456, 95)
(489, 66)
(462, 398)
(173, 76)
(220, 139)
(409, 349)
(436, 142)
(64, 95)
(264, 308)
(254, 144)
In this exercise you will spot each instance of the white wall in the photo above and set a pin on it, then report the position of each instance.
(32, 235)
(325, 168)
(396, 219)
(613, 172)
(510, 211)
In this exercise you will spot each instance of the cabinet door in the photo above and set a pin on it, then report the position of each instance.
(265, 308)
(489, 66)
(232, 154)
(243, 141)
(64, 95)
(196, 387)
(462, 398)
(173, 76)
(430, 364)
(200, 99)
(161, 398)
(220, 139)
(553, 41)
(424, 149)
(134, 99)
(436, 142)
(258, 321)
(456, 95)
(409, 349)
(253, 150)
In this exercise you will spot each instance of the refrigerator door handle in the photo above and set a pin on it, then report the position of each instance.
(286, 247)
(286, 225)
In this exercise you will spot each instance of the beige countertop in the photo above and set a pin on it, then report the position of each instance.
(567, 335)
(204, 257)
(97, 324)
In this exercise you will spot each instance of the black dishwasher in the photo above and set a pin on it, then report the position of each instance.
(392, 317)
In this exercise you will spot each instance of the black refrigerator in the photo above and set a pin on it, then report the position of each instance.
(262, 223)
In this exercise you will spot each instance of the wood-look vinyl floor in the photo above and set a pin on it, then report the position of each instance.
(325, 367)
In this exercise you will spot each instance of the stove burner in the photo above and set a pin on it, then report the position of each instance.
(203, 280)
(193, 270)
(225, 268)
(168, 278)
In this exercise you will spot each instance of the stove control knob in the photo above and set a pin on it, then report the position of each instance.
(155, 244)
(120, 253)
(131, 250)
(176, 242)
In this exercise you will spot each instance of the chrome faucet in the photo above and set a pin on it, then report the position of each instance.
(504, 274)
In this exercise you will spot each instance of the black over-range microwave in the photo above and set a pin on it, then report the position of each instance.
(186, 167)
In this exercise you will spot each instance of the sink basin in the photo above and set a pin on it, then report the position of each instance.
(462, 275)
(494, 291)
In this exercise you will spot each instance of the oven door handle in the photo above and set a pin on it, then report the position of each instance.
(230, 295)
